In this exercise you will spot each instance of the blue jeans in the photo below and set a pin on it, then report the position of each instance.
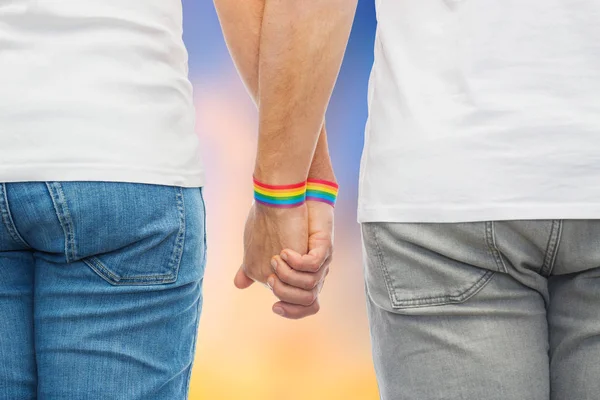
(504, 310)
(100, 290)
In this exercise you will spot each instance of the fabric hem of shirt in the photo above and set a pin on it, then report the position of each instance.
(98, 174)
(445, 214)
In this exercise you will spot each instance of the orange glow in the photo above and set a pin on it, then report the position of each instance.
(245, 351)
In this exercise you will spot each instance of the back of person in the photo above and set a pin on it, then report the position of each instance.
(102, 236)
(479, 202)
(96, 90)
(483, 109)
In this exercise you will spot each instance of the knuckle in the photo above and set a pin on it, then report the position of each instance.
(310, 283)
(283, 274)
(314, 266)
(315, 292)
(291, 279)
(320, 262)
(277, 291)
(310, 298)
(314, 282)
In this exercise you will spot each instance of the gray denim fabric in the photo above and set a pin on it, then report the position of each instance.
(485, 310)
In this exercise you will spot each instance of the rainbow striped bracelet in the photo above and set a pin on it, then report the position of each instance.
(323, 191)
(280, 196)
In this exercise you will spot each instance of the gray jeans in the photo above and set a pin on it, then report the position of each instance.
(486, 310)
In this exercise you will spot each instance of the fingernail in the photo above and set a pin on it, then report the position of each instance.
(284, 256)
(278, 311)
(274, 265)
(271, 282)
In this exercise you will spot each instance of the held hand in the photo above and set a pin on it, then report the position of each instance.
(299, 278)
(268, 231)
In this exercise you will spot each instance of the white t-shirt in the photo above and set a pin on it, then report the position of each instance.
(483, 110)
(96, 90)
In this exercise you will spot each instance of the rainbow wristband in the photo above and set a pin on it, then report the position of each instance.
(323, 191)
(280, 196)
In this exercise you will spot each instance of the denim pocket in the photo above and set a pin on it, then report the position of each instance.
(128, 233)
(418, 265)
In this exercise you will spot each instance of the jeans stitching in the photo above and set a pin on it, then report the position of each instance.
(7, 218)
(205, 230)
(490, 237)
(97, 265)
(64, 218)
(548, 246)
(460, 296)
(196, 324)
(451, 298)
(180, 240)
(383, 268)
(552, 248)
(105, 273)
(558, 237)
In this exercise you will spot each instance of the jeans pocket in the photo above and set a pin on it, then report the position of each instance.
(419, 265)
(128, 233)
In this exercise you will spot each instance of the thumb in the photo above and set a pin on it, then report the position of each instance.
(241, 280)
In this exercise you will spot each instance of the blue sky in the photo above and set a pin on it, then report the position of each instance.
(348, 109)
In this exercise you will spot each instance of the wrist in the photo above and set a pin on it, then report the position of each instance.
(281, 213)
(289, 196)
(275, 176)
(321, 190)
(274, 169)
(279, 196)
(323, 175)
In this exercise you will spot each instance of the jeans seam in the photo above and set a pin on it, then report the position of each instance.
(386, 274)
(194, 341)
(552, 248)
(205, 229)
(97, 265)
(180, 240)
(7, 218)
(64, 218)
(461, 297)
(490, 237)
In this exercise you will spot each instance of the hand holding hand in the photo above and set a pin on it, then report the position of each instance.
(268, 231)
(300, 278)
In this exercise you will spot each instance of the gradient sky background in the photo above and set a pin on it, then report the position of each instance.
(244, 351)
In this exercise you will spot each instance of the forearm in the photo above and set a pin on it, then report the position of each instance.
(241, 23)
(300, 53)
(321, 167)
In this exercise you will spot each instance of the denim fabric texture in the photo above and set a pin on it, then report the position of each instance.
(100, 290)
(505, 310)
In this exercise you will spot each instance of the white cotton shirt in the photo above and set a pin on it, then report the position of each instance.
(96, 90)
(483, 110)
